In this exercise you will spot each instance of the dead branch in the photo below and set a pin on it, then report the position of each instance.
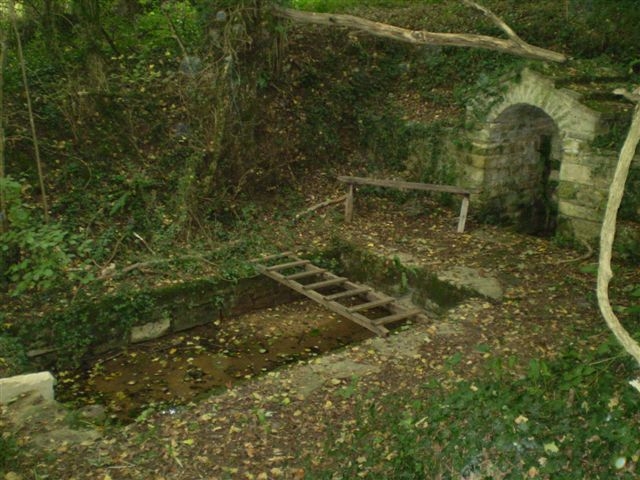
(631, 96)
(513, 45)
(144, 242)
(496, 20)
(581, 258)
(608, 231)
(320, 205)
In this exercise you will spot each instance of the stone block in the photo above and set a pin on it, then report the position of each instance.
(12, 387)
(586, 229)
(573, 210)
(486, 148)
(473, 177)
(572, 172)
(478, 161)
(592, 198)
(567, 190)
(150, 331)
(572, 146)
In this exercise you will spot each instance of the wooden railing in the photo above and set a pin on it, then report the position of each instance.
(352, 181)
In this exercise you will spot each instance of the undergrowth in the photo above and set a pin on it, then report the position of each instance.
(571, 417)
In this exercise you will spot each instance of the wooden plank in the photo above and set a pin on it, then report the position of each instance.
(396, 317)
(402, 184)
(373, 304)
(325, 283)
(348, 203)
(306, 273)
(352, 292)
(464, 210)
(366, 323)
(283, 266)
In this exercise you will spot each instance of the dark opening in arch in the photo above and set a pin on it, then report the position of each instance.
(522, 173)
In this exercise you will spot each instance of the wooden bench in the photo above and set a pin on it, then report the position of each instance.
(352, 181)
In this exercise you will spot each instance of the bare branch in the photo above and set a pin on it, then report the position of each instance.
(497, 20)
(608, 231)
(631, 96)
(317, 206)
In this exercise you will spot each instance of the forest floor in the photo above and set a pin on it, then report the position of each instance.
(279, 424)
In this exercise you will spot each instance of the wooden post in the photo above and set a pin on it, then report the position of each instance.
(464, 209)
(348, 204)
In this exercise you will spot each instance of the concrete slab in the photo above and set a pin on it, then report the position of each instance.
(12, 387)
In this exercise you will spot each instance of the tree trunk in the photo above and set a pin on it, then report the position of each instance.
(3, 197)
(607, 234)
(513, 45)
(34, 136)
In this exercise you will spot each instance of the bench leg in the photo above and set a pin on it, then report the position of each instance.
(464, 210)
(348, 204)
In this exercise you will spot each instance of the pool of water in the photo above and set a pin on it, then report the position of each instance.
(189, 365)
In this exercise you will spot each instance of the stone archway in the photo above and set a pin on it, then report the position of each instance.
(532, 139)
(521, 175)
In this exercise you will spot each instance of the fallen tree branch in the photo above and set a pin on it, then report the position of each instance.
(144, 242)
(631, 96)
(608, 231)
(581, 258)
(326, 203)
(513, 45)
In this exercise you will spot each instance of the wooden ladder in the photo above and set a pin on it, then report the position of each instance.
(310, 280)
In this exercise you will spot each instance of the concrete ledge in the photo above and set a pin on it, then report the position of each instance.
(12, 387)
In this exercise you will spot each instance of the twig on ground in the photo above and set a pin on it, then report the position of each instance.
(144, 242)
(581, 258)
(317, 206)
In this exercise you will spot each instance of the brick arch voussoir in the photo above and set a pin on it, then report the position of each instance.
(572, 118)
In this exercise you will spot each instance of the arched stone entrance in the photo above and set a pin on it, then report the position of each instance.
(521, 175)
(531, 154)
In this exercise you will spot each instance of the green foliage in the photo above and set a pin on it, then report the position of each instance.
(13, 358)
(37, 256)
(607, 20)
(630, 206)
(386, 139)
(9, 452)
(627, 242)
(615, 136)
(336, 6)
(573, 415)
(87, 324)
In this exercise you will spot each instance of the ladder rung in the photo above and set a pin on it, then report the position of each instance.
(325, 283)
(396, 316)
(306, 273)
(373, 304)
(282, 266)
(348, 293)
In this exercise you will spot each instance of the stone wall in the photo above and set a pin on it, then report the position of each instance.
(535, 142)
(173, 309)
